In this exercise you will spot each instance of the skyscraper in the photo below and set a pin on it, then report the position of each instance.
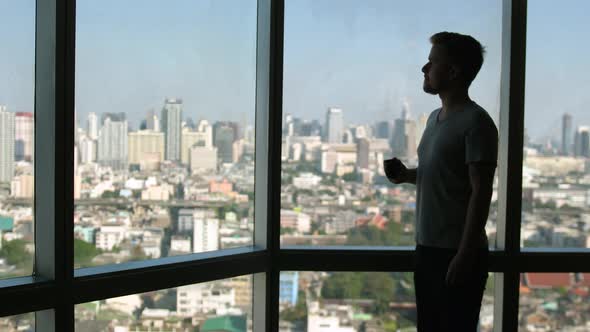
(203, 134)
(6, 145)
(87, 149)
(92, 124)
(334, 126)
(566, 134)
(152, 121)
(224, 135)
(383, 130)
(404, 137)
(582, 142)
(112, 141)
(202, 158)
(420, 127)
(362, 150)
(23, 136)
(171, 125)
(146, 145)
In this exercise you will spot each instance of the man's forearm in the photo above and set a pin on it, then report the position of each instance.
(477, 216)
(411, 176)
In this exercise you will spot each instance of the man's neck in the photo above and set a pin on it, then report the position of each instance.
(454, 100)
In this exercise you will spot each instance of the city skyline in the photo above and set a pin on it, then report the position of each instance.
(192, 59)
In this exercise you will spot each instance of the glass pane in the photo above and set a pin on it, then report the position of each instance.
(223, 305)
(20, 323)
(165, 128)
(356, 301)
(556, 168)
(17, 95)
(554, 302)
(353, 97)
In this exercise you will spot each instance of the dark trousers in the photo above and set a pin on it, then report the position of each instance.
(443, 308)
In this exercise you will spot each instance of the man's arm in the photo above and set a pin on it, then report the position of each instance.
(481, 178)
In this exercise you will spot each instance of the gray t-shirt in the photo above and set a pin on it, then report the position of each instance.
(442, 181)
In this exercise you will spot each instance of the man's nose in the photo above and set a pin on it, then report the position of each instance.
(424, 69)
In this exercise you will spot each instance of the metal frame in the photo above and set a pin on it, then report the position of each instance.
(56, 287)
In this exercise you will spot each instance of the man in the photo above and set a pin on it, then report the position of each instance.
(456, 162)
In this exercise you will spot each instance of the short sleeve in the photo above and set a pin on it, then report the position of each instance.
(481, 142)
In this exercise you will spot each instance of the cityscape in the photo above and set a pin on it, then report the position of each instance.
(165, 145)
(177, 186)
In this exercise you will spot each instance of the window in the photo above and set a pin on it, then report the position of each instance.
(209, 306)
(113, 69)
(556, 168)
(24, 322)
(352, 98)
(554, 302)
(17, 126)
(165, 151)
(344, 301)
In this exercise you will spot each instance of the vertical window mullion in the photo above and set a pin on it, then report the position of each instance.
(510, 170)
(267, 196)
(269, 90)
(54, 148)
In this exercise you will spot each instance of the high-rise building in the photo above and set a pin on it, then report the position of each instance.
(420, 127)
(288, 128)
(205, 234)
(404, 137)
(334, 126)
(224, 135)
(411, 145)
(171, 125)
(112, 141)
(7, 124)
(23, 136)
(87, 147)
(362, 150)
(202, 158)
(310, 128)
(146, 145)
(22, 186)
(152, 121)
(566, 134)
(204, 127)
(582, 142)
(289, 287)
(92, 125)
(383, 130)
(191, 138)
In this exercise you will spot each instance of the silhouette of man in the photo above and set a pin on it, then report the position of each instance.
(456, 162)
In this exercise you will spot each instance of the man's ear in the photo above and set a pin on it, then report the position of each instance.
(454, 72)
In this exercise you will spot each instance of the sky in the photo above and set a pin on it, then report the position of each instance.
(362, 56)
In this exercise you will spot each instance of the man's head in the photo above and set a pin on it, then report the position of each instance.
(453, 63)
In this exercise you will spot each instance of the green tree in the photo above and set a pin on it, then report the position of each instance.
(298, 312)
(350, 177)
(343, 285)
(380, 287)
(110, 194)
(287, 230)
(84, 252)
(15, 253)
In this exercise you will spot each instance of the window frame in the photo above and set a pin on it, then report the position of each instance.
(55, 287)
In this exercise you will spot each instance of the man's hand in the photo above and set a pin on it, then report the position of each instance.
(395, 170)
(460, 268)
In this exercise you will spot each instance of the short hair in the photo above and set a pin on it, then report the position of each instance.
(463, 50)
